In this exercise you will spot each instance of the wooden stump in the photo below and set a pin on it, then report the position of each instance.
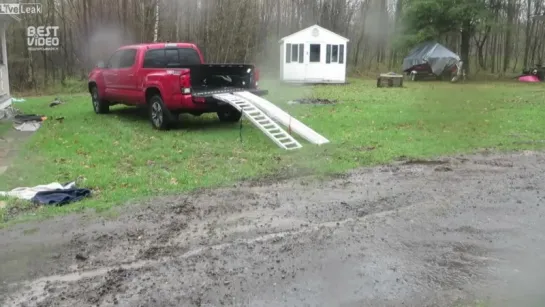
(390, 80)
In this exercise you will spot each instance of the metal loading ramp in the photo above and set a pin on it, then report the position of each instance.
(264, 115)
(261, 121)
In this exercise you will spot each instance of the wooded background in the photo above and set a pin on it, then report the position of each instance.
(496, 36)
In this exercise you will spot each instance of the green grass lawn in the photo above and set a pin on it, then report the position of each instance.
(121, 157)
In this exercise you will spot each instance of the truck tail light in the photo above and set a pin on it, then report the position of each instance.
(256, 77)
(185, 82)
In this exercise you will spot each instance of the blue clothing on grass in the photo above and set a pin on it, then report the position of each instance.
(60, 197)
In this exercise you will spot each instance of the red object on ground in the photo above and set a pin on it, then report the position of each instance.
(169, 79)
(528, 79)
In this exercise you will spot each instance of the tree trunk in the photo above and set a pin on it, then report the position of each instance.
(465, 44)
(85, 35)
(527, 32)
(508, 35)
(480, 47)
(156, 24)
(397, 28)
(66, 61)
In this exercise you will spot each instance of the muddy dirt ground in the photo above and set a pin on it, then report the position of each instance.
(407, 234)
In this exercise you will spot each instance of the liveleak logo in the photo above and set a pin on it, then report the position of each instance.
(20, 8)
(43, 38)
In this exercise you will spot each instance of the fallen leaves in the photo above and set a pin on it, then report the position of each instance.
(82, 152)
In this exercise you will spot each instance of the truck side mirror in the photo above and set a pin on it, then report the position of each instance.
(101, 64)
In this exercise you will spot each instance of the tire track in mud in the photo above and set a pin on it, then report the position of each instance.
(412, 224)
(150, 257)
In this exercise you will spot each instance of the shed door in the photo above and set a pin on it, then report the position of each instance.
(314, 68)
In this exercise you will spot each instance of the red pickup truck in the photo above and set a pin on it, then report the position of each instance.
(169, 79)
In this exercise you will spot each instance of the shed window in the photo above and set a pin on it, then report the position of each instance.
(335, 54)
(314, 53)
(294, 53)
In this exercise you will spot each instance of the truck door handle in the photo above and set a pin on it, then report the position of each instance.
(130, 75)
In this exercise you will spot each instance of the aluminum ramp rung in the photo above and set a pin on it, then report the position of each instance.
(282, 117)
(261, 121)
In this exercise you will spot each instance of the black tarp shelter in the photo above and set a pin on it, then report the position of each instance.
(437, 56)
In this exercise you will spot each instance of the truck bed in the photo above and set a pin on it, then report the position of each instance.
(210, 79)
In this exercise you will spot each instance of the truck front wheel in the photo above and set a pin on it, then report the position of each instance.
(229, 115)
(100, 106)
(159, 116)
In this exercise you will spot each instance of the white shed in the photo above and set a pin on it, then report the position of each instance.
(313, 55)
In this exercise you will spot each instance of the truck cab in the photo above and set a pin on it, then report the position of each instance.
(169, 79)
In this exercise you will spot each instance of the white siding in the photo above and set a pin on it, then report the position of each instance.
(282, 56)
(4, 77)
(309, 71)
(5, 99)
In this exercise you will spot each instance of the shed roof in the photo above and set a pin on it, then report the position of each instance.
(312, 27)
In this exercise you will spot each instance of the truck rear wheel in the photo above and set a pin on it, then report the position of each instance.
(159, 116)
(229, 115)
(100, 106)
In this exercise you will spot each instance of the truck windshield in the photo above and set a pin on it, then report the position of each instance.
(171, 58)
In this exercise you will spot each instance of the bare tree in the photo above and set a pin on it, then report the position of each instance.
(249, 30)
(156, 24)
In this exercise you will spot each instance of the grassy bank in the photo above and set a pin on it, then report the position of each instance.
(120, 157)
